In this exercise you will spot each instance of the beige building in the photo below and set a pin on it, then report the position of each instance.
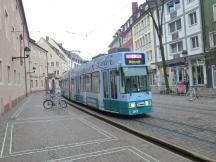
(57, 59)
(58, 62)
(38, 67)
(143, 39)
(14, 38)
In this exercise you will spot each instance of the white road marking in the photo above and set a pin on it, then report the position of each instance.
(11, 138)
(3, 144)
(27, 152)
(108, 136)
(104, 152)
(18, 112)
(146, 154)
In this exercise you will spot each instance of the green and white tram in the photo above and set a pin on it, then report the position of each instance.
(117, 83)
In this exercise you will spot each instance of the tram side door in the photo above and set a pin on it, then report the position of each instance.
(106, 93)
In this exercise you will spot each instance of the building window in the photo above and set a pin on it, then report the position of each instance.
(31, 84)
(36, 82)
(189, 1)
(212, 39)
(173, 5)
(1, 71)
(14, 76)
(176, 47)
(193, 18)
(52, 63)
(57, 64)
(195, 42)
(175, 26)
(9, 74)
(214, 12)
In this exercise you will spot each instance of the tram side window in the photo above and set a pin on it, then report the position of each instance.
(105, 84)
(113, 84)
(87, 82)
(72, 84)
(82, 83)
(96, 82)
(77, 85)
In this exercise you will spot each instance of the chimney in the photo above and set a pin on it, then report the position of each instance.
(134, 7)
(47, 38)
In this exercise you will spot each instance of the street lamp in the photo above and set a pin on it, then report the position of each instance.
(26, 55)
(26, 51)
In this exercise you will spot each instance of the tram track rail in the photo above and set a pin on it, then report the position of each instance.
(184, 124)
(159, 142)
(177, 131)
(204, 108)
(179, 108)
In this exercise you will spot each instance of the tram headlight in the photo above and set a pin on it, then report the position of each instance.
(132, 105)
(147, 103)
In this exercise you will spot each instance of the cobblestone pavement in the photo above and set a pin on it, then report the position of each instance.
(190, 125)
(31, 133)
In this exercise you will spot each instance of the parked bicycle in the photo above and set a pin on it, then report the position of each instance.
(52, 101)
(193, 93)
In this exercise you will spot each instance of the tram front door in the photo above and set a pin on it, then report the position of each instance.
(110, 90)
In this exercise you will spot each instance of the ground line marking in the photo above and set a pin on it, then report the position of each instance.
(11, 138)
(2, 150)
(56, 148)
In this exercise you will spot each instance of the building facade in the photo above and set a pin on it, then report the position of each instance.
(38, 67)
(208, 9)
(14, 45)
(183, 45)
(57, 60)
(143, 38)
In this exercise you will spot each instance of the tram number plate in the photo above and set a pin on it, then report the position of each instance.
(135, 111)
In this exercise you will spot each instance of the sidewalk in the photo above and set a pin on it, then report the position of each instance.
(31, 133)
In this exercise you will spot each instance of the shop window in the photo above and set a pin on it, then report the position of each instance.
(198, 76)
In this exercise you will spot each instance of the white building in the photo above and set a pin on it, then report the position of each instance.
(183, 45)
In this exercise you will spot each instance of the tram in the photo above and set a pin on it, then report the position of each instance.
(117, 83)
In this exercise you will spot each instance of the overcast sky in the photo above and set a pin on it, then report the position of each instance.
(87, 25)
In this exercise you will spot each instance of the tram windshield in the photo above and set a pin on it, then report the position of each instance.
(134, 80)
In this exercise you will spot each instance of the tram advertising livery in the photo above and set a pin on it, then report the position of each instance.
(116, 83)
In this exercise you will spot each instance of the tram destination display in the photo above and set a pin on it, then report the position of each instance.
(134, 59)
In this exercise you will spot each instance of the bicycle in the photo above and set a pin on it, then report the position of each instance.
(192, 93)
(54, 101)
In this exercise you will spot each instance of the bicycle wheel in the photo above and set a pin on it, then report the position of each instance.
(62, 103)
(47, 104)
